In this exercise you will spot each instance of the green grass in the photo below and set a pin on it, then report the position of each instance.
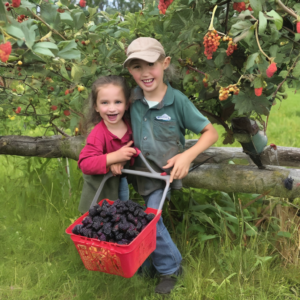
(39, 261)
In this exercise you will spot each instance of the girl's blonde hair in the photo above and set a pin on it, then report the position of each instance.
(92, 116)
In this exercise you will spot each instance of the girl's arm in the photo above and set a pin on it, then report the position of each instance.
(123, 154)
(181, 162)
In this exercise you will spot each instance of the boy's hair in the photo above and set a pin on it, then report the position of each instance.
(92, 116)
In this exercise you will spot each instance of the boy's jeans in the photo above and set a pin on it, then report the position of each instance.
(123, 189)
(166, 257)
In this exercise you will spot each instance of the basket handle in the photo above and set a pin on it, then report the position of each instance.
(152, 174)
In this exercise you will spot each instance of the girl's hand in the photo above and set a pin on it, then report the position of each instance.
(126, 152)
(180, 164)
(116, 169)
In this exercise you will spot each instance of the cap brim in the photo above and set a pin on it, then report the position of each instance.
(143, 55)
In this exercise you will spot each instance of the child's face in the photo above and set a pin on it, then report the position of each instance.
(111, 104)
(149, 76)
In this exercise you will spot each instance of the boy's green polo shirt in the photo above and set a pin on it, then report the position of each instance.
(159, 131)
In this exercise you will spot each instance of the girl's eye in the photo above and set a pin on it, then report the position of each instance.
(104, 102)
(118, 102)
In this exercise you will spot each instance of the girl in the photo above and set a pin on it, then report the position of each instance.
(159, 116)
(108, 146)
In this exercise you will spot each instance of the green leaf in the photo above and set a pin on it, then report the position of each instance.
(49, 14)
(262, 23)
(27, 4)
(296, 70)
(273, 50)
(297, 8)
(2, 14)
(239, 27)
(29, 32)
(258, 82)
(68, 50)
(284, 234)
(228, 70)
(66, 18)
(64, 72)
(43, 48)
(283, 74)
(204, 237)
(15, 31)
(79, 19)
(256, 6)
(277, 19)
(219, 61)
(297, 37)
(251, 60)
(76, 73)
(247, 102)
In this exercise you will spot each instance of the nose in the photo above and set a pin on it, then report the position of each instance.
(111, 107)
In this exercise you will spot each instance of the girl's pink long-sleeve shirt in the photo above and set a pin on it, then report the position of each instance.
(100, 142)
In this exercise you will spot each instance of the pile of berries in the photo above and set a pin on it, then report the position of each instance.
(231, 45)
(211, 43)
(22, 18)
(163, 6)
(118, 223)
(224, 92)
(241, 6)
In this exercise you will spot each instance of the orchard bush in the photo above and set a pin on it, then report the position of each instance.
(234, 58)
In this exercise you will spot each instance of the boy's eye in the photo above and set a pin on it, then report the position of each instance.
(151, 64)
(136, 67)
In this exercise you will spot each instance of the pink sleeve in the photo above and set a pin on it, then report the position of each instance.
(92, 161)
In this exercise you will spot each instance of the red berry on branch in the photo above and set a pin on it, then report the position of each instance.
(258, 91)
(67, 112)
(82, 3)
(298, 27)
(211, 43)
(271, 70)
(16, 3)
(187, 72)
(67, 92)
(51, 88)
(54, 107)
(6, 4)
(18, 110)
(83, 42)
(8, 9)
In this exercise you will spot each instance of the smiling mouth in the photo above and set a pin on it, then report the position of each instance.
(148, 80)
(112, 117)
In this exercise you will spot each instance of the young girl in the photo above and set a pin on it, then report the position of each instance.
(159, 117)
(108, 146)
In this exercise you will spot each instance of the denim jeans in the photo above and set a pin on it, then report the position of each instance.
(123, 189)
(166, 258)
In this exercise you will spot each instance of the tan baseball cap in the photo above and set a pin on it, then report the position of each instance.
(144, 48)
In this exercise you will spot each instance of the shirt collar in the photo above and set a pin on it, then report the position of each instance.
(168, 98)
(129, 130)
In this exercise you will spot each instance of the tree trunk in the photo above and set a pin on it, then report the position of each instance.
(218, 174)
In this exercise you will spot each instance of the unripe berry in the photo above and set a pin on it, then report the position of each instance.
(20, 63)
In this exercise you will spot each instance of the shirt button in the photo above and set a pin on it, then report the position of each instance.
(146, 154)
(145, 119)
(145, 137)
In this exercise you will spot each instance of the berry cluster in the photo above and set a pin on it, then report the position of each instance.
(231, 45)
(163, 6)
(22, 18)
(271, 69)
(15, 3)
(5, 50)
(211, 43)
(241, 6)
(224, 92)
(118, 223)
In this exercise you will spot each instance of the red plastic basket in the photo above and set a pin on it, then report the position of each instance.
(122, 260)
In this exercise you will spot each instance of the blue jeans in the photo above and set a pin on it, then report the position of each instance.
(123, 189)
(166, 258)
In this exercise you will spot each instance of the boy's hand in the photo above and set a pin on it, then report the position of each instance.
(126, 152)
(116, 169)
(180, 164)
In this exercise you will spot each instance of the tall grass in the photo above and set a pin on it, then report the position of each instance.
(39, 261)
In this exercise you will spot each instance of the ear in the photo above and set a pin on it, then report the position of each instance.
(96, 109)
(167, 62)
(127, 105)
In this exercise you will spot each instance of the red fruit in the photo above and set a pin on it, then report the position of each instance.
(258, 91)
(5, 50)
(18, 110)
(187, 72)
(6, 4)
(82, 3)
(16, 3)
(67, 112)
(51, 88)
(239, 6)
(83, 42)
(298, 27)
(22, 16)
(67, 92)
(271, 70)
(54, 107)
(8, 9)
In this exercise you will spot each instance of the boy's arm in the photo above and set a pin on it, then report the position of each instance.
(181, 162)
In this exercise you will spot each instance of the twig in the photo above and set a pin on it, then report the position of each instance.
(257, 40)
(59, 130)
(257, 198)
(76, 113)
(286, 9)
(217, 119)
(49, 27)
(227, 15)
(192, 68)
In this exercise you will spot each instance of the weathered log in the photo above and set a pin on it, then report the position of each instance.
(245, 179)
(59, 146)
(218, 174)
